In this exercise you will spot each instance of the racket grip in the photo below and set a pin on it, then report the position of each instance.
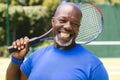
(31, 42)
(11, 49)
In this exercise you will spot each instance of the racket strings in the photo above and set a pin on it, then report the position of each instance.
(90, 25)
(86, 37)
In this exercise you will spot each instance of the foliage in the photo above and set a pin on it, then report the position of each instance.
(23, 2)
(30, 2)
(28, 21)
(2, 23)
(2, 36)
(98, 1)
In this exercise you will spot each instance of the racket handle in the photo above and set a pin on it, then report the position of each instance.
(31, 42)
(11, 49)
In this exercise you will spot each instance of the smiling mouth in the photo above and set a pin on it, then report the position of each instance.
(64, 35)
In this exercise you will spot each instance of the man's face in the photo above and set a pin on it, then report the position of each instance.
(66, 26)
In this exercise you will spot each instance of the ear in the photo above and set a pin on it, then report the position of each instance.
(53, 22)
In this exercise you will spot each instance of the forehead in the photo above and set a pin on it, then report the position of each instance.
(68, 11)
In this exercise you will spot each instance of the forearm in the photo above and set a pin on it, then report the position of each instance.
(13, 72)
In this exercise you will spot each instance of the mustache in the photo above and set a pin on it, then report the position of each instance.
(66, 30)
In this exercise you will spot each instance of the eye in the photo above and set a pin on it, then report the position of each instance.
(75, 24)
(62, 20)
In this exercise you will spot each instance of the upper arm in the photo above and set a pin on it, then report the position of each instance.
(23, 76)
(100, 73)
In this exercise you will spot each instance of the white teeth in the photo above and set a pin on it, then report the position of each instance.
(64, 34)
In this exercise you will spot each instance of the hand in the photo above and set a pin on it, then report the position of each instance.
(22, 45)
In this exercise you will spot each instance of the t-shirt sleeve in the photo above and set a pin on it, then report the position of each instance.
(26, 66)
(100, 73)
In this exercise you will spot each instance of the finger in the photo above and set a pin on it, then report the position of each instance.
(22, 43)
(26, 40)
(14, 44)
(18, 44)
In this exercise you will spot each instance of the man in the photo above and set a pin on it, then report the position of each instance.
(65, 60)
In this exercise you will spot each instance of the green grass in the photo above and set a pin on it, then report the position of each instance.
(112, 65)
(3, 66)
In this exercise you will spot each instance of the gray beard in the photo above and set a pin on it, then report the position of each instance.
(63, 44)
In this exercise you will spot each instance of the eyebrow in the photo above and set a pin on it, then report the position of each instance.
(59, 17)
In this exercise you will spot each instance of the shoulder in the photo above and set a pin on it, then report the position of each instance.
(93, 62)
(41, 51)
(89, 57)
(99, 73)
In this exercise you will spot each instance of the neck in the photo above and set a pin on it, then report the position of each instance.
(65, 47)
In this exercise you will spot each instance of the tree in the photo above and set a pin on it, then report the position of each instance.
(2, 36)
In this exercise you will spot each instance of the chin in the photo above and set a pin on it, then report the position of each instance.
(63, 44)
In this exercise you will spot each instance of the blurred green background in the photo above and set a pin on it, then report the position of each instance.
(19, 18)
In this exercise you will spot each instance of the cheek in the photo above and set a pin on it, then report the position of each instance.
(55, 30)
(57, 26)
(76, 31)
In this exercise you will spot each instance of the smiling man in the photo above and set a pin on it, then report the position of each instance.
(64, 60)
(66, 22)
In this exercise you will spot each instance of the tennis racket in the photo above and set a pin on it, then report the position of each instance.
(91, 26)
(92, 23)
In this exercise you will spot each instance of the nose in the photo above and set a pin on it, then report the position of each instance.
(68, 26)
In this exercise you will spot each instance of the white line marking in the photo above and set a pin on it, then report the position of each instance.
(104, 43)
